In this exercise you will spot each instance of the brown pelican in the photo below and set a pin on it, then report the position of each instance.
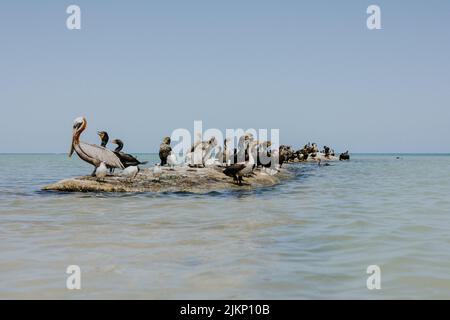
(127, 159)
(227, 152)
(238, 170)
(164, 150)
(200, 152)
(91, 153)
(219, 155)
(207, 149)
(241, 154)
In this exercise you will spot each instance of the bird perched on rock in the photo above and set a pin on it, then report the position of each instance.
(241, 153)
(344, 156)
(264, 154)
(227, 154)
(91, 153)
(157, 171)
(101, 171)
(164, 150)
(238, 170)
(130, 172)
(284, 154)
(172, 159)
(127, 159)
(207, 148)
(200, 152)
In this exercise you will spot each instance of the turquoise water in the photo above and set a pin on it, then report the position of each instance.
(312, 237)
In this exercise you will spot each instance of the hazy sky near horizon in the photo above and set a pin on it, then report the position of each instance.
(140, 69)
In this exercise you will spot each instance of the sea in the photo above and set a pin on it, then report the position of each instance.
(374, 227)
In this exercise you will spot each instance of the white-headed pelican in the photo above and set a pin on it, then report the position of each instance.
(91, 153)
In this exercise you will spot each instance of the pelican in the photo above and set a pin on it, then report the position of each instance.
(200, 152)
(91, 153)
(219, 155)
(192, 157)
(227, 154)
(241, 154)
(127, 159)
(238, 170)
(208, 148)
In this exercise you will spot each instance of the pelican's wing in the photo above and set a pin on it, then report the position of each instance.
(101, 154)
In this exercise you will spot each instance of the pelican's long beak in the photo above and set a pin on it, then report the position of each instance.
(72, 149)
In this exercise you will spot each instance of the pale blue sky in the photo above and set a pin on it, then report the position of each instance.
(140, 69)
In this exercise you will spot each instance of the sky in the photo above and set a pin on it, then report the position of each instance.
(141, 69)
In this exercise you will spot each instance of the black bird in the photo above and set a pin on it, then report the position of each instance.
(344, 156)
(103, 137)
(284, 154)
(127, 159)
(238, 170)
(164, 150)
(233, 170)
(263, 151)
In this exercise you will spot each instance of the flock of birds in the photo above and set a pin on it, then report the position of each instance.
(237, 162)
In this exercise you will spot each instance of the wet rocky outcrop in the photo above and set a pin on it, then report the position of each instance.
(177, 179)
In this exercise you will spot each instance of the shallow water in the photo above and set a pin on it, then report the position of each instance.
(312, 237)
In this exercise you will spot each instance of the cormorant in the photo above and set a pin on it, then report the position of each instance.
(164, 150)
(238, 170)
(127, 159)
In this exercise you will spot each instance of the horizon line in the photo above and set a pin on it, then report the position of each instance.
(62, 153)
